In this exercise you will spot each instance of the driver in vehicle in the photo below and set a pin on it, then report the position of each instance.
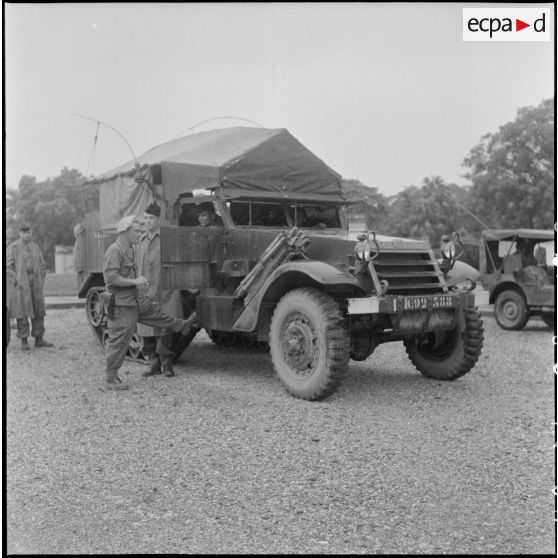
(521, 258)
(315, 217)
(207, 216)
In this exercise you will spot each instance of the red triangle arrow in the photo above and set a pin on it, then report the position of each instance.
(519, 25)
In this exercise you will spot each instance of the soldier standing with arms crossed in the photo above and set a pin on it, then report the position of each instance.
(127, 305)
(157, 341)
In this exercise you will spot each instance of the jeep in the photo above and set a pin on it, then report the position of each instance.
(515, 269)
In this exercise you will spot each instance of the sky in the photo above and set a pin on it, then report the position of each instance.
(386, 93)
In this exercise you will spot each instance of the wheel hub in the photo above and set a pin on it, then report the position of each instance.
(94, 308)
(510, 310)
(300, 347)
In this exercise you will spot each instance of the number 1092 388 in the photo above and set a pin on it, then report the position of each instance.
(424, 302)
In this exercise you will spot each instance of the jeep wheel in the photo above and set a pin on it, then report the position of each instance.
(448, 355)
(309, 343)
(510, 310)
(549, 320)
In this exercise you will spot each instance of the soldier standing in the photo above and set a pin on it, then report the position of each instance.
(79, 253)
(157, 342)
(128, 305)
(26, 270)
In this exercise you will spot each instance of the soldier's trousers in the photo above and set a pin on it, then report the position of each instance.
(122, 327)
(37, 327)
(37, 323)
(158, 348)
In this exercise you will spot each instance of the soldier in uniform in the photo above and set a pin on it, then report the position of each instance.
(26, 270)
(157, 342)
(207, 216)
(128, 305)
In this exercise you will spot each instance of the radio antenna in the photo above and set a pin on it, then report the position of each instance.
(110, 128)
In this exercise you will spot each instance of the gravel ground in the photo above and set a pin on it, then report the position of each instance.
(220, 459)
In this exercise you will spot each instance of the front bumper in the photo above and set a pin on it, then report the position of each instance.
(428, 303)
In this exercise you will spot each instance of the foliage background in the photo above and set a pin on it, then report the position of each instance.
(512, 185)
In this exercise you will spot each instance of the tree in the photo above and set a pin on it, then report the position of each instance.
(429, 211)
(512, 171)
(52, 208)
(371, 207)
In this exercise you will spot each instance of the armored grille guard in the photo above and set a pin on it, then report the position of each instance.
(408, 273)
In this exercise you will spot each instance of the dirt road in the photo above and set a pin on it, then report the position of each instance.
(220, 459)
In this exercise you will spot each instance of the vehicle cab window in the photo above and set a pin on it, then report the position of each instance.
(315, 216)
(258, 214)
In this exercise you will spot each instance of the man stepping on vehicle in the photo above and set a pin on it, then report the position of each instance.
(128, 304)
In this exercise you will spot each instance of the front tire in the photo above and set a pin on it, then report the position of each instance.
(448, 355)
(309, 344)
(510, 310)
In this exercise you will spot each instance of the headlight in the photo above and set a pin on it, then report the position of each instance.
(466, 285)
(448, 251)
(363, 250)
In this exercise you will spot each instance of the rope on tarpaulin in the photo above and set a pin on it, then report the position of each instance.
(141, 177)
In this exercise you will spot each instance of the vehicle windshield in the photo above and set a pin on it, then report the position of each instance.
(531, 251)
(279, 214)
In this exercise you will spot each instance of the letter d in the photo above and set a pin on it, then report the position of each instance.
(537, 21)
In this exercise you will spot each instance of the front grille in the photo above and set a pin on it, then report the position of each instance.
(408, 273)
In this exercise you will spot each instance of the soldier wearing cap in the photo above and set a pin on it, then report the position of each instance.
(157, 341)
(128, 304)
(25, 271)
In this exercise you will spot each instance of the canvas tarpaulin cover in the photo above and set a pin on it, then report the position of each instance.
(235, 161)
(121, 196)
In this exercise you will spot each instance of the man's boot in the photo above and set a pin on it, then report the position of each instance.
(167, 368)
(154, 367)
(114, 382)
(24, 344)
(40, 342)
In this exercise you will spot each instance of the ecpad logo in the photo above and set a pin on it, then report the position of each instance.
(506, 24)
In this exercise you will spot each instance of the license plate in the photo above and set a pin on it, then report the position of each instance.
(425, 302)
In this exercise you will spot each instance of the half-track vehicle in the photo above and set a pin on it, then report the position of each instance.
(515, 269)
(282, 269)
